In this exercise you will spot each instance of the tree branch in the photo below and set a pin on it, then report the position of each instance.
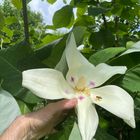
(25, 19)
(104, 19)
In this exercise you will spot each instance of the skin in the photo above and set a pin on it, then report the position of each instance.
(35, 125)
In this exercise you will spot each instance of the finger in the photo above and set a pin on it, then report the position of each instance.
(65, 104)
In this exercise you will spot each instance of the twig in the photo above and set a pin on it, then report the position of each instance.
(25, 19)
(105, 22)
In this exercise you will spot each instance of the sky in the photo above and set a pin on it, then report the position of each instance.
(47, 10)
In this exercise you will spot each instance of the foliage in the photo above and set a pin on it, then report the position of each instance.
(106, 29)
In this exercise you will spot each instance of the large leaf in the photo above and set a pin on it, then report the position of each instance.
(105, 55)
(9, 109)
(10, 75)
(52, 53)
(56, 52)
(131, 80)
(63, 17)
(10, 71)
(12, 62)
(45, 51)
(28, 97)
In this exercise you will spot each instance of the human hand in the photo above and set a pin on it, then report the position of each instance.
(37, 124)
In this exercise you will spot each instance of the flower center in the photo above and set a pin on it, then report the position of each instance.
(81, 88)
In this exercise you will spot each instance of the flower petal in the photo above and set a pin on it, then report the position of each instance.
(87, 118)
(117, 101)
(103, 72)
(94, 76)
(47, 83)
(73, 56)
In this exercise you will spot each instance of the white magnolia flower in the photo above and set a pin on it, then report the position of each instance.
(82, 81)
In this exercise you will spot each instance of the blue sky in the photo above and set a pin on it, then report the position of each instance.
(47, 10)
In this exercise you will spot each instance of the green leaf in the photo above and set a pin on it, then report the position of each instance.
(9, 109)
(103, 135)
(104, 38)
(79, 32)
(23, 107)
(8, 32)
(56, 52)
(28, 97)
(81, 11)
(135, 134)
(63, 133)
(134, 48)
(63, 17)
(75, 133)
(28, 1)
(137, 106)
(1, 20)
(95, 11)
(10, 20)
(105, 55)
(62, 64)
(13, 61)
(65, 1)
(10, 75)
(131, 80)
(51, 1)
(84, 21)
(17, 4)
(49, 38)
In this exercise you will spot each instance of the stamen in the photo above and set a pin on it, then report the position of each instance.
(81, 97)
(81, 84)
(92, 84)
(66, 91)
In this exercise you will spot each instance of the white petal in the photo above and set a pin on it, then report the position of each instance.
(103, 72)
(47, 83)
(87, 118)
(95, 76)
(116, 100)
(73, 56)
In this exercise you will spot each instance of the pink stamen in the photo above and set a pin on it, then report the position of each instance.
(92, 84)
(66, 91)
(81, 97)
